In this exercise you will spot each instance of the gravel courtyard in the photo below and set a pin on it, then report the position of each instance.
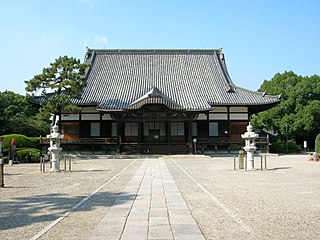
(282, 202)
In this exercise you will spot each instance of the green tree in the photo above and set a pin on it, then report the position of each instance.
(18, 116)
(59, 84)
(298, 114)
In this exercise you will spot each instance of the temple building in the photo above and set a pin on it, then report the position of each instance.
(160, 102)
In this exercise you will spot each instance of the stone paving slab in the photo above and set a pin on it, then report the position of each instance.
(280, 203)
(154, 210)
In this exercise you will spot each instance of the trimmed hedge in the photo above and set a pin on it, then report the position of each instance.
(317, 144)
(35, 140)
(21, 140)
(28, 154)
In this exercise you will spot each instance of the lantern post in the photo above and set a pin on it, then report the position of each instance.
(250, 146)
(55, 149)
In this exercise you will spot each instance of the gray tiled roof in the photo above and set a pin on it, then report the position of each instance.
(154, 96)
(180, 79)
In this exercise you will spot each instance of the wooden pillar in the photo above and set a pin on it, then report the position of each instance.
(228, 129)
(139, 132)
(119, 133)
(80, 129)
(102, 147)
(79, 124)
(208, 140)
(169, 138)
(190, 142)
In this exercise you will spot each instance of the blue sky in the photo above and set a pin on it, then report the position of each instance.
(259, 38)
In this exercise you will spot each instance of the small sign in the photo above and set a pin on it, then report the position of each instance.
(305, 144)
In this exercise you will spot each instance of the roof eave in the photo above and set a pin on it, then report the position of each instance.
(109, 110)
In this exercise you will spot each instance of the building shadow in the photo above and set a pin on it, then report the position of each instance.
(278, 168)
(23, 211)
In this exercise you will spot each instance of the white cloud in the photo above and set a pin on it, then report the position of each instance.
(101, 41)
(47, 41)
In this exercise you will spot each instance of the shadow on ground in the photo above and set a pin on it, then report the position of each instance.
(115, 156)
(278, 168)
(23, 211)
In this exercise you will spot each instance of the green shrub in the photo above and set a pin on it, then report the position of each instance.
(28, 154)
(22, 141)
(35, 140)
(281, 147)
(5, 160)
(317, 144)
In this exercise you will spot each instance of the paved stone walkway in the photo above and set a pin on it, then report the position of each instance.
(150, 207)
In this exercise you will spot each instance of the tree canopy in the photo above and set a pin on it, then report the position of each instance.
(299, 111)
(59, 84)
(18, 116)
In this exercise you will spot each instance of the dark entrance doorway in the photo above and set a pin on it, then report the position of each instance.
(156, 129)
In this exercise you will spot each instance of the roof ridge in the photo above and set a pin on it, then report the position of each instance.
(153, 51)
(263, 94)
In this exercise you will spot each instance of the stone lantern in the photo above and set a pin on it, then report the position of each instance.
(55, 138)
(250, 146)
